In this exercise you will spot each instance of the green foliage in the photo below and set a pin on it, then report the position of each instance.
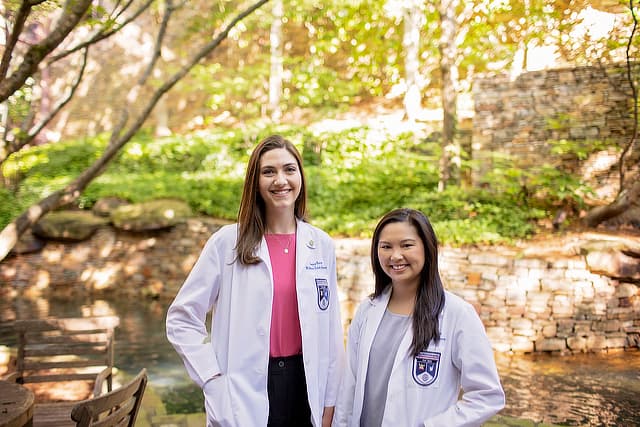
(541, 186)
(242, 94)
(357, 40)
(317, 86)
(579, 149)
(9, 206)
(478, 216)
(186, 399)
(354, 176)
(63, 159)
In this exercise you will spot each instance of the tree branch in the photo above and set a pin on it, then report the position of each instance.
(626, 197)
(634, 135)
(74, 10)
(11, 233)
(12, 40)
(103, 33)
(25, 138)
(622, 203)
(157, 49)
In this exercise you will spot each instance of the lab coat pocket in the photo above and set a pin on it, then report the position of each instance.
(217, 402)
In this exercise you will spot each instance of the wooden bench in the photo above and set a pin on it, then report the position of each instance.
(69, 352)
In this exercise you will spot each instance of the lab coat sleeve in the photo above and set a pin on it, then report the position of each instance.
(482, 394)
(186, 317)
(336, 365)
(344, 406)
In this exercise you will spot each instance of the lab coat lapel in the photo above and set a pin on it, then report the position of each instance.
(373, 321)
(263, 254)
(307, 248)
(403, 348)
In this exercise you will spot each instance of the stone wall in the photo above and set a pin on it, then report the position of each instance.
(530, 299)
(520, 116)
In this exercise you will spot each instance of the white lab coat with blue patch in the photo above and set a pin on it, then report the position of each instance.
(238, 351)
(425, 390)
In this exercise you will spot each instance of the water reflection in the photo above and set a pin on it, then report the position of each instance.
(140, 338)
(585, 390)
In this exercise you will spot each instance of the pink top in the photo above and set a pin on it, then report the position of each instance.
(286, 338)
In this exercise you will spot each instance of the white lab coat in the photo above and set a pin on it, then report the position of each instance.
(465, 362)
(241, 298)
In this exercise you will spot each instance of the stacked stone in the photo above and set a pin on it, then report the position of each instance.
(522, 116)
(527, 304)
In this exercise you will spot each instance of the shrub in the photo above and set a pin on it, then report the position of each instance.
(354, 176)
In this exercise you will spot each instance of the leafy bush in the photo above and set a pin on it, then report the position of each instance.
(9, 206)
(354, 176)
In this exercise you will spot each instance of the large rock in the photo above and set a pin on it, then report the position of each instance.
(106, 205)
(68, 225)
(151, 215)
(28, 243)
(617, 265)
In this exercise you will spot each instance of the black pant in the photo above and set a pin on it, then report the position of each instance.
(287, 391)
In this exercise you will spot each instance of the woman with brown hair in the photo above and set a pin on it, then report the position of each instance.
(276, 349)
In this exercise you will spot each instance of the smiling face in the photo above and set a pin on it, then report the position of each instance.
(401, 254)
(280, 180)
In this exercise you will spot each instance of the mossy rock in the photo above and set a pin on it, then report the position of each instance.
(152, 215)
(104, 206)
(68, 225)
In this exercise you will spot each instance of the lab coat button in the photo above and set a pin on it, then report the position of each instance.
(261, 332)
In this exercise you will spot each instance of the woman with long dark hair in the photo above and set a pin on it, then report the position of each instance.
(417, 355)
(276, 348)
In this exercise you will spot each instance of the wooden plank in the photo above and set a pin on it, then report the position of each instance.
(121, 413)
(63, 364)
(53, 415)
(59, 350)
(52, 378)
(99, 337)
(69, 324)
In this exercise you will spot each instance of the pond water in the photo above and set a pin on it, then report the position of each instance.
(577, 390)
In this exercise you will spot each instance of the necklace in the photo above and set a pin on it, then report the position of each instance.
(277, 238)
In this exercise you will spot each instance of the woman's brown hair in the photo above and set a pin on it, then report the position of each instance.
(252, 212)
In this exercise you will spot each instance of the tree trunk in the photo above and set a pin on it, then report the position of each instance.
(626, 196)
(449, 75)
(275, 76)
(623, 202)
(413, 19)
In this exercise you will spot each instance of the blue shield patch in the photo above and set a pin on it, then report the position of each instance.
(425, 367)
(323, 293)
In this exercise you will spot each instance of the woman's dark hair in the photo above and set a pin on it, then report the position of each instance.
(252, 212)
(430, 295)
